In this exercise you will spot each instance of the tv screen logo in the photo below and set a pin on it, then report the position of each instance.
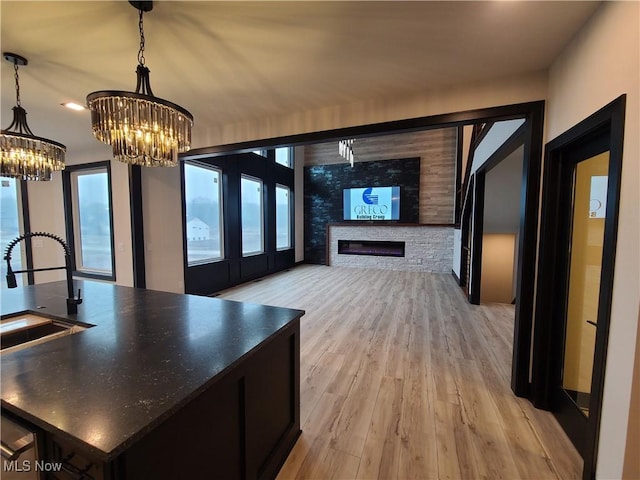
(371, 203)
(369, 198)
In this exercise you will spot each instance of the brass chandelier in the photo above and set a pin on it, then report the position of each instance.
(24, 155)
(142, 129)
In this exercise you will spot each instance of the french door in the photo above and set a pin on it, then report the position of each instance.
(582, 212)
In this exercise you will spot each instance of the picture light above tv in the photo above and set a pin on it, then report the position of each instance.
(371, 203)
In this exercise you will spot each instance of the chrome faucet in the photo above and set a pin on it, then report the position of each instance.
(72, 300)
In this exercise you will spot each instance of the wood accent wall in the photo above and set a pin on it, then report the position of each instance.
(437, 152)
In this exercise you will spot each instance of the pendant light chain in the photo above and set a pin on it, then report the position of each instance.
(141, 58)
(17, 78)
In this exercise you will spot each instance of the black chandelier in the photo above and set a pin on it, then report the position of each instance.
(142, 129)
(25, 155)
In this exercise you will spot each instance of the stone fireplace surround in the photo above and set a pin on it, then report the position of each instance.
(428, 248)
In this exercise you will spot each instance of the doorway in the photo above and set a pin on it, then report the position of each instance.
(533, 113)
(500, 229)
(577, 254)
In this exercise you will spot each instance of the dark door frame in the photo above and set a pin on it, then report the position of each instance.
(608, 122)
(526, 135)
(517, 139)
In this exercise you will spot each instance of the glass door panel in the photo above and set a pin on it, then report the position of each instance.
(585, 250)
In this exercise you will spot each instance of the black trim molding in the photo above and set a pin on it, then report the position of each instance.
(607, 124)
(26, 228)
(137, 226)
(505, 112)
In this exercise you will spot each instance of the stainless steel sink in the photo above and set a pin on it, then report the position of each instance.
(27, 329)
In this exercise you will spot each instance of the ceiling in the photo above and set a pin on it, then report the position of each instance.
(230, 62)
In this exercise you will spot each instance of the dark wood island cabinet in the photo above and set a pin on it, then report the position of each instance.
(162, 386)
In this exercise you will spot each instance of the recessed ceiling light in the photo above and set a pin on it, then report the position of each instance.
(74, 106)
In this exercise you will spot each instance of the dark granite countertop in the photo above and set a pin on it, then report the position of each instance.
(148, 354)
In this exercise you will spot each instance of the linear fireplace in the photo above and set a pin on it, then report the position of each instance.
(371, 247)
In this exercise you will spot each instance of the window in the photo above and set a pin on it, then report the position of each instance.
(91, 221)
(283, 218)
(284, 156)
(252, 216)
(10, 226)
(262, 153)
(204, 218)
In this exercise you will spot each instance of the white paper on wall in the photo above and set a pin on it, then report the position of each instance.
(598, 199)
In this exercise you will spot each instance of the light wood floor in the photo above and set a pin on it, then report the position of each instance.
(402, 378)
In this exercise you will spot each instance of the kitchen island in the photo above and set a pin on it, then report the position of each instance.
(160, 386)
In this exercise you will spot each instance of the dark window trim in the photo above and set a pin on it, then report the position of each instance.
(206, 279)
(291, 158)
(263, 221)
(183, 187)
(26, 228)
(291, 217)
(137, 226)
(68, 214)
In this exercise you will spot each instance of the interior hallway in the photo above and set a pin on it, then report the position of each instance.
(402, 378)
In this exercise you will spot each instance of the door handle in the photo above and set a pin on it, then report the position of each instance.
(592, 323)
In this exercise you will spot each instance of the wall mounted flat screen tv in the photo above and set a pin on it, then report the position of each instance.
(371, 203)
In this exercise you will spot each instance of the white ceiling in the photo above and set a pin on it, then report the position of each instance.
(228, 62)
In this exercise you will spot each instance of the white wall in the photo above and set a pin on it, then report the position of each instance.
(46, 212)
(503, 191)
(162, 213)
(501, 223)
(122, 223)
(601, 63)
(495, 137)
